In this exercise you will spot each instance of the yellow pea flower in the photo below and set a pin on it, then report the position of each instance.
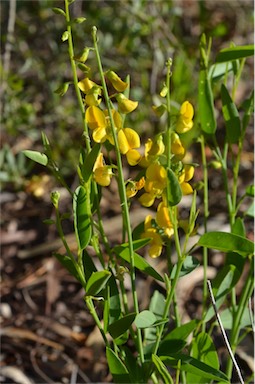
(96, 121)
(156, 242)
(163, 219)
(176, 146)
(116, 81)
(184, 122)
(116, 118)
(92, 98)
(129, 140)
(157, 174)
(95, 118)
(86, 85)
(102, 172)
(125, 105)
(134, 186)
(186, 175)
(153, 149)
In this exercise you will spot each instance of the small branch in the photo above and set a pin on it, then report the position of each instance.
(224, 333)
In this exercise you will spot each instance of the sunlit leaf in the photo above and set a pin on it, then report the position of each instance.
(36, 156)
(234, 53)
(226, 242)
(97, 282)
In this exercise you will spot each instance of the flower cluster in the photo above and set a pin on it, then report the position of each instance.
(107, 126)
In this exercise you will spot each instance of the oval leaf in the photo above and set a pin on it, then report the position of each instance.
(145, 319)
(97, 282)
(227, 242)
(206, 105)
(117, 368)
(234, 53)
(174, 188)
(82, 224)
(36, 156)
(231, 116)
(120, 326)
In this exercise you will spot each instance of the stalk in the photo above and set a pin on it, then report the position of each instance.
(122, 191)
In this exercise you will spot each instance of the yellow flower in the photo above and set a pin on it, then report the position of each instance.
(92, 97)
(117, 119)
(125, 105)
(163, 219)
(156, 178)
(116, 81)
(153, 149)
(86, 85)
(184, 122)
(186, 175)
(156, 243)
(96, 121)
(129, 140)
(134, 186)
(102, 172)
(176, 146)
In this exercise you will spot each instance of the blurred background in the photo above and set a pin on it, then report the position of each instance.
(45, 326)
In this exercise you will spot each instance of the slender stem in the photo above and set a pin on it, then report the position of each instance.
(168, 105)
(122, 191)
(75, 77)
(206, 215)
(93, 313)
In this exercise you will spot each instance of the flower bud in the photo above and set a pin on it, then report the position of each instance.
(116, 81)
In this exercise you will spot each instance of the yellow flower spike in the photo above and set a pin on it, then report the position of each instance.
(95, 118)
(116, 81)
(125, 105)
(86, 85)
(176, 146)
(184, 122)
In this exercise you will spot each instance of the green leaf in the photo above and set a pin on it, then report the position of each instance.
(120, 326)
(248, 107)
(192, 365)
(250, 191)
(168, 347)
(68, 264)
(182, 332)
(217, 71)
(203, 350)
(206, 113)
(117, 368)
(227, 316)
(82, 223)
(140, 262)
(88, 265)
(251, 210)
(136, 372)
(157, 306)
(97, 282)
(239, 227)
(162, 370)
(231, 116)
(190, 264)
(174, 194)
(145, 319)
(234, 53)
(222, 284)
(227, 242)
(59, 11)
(87, 162)
(36, 156)
(114, 301)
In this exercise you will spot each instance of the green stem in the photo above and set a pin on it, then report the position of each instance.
(75, 77)
(206, 215)
(168, 105)
(122, 190)
(77, 266)
(93, 313)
